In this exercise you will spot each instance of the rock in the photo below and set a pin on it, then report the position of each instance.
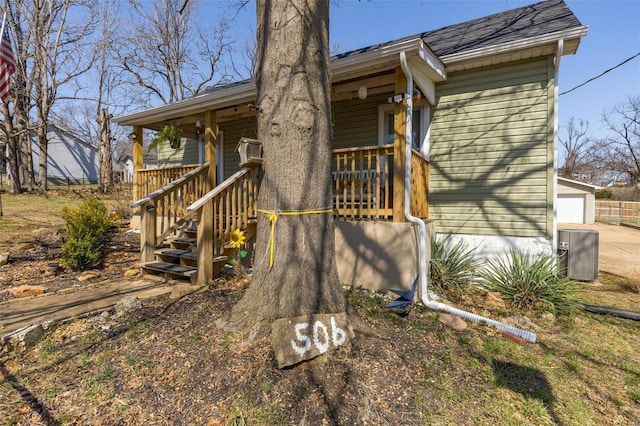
(27, 290)
(453, 321)
(133, 272)
(4, 258)
(28, 336)
(493, 300)
(128, 304)
(88, 275)
(520, 322)
(549, 317)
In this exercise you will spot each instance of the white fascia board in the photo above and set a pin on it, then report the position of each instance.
(437, 66)
(515, 45)
(222, 98)
(578, 183)
(214, 100)
(363, 61)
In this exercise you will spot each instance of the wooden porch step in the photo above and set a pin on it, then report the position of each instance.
(170, 270)
(181, 243)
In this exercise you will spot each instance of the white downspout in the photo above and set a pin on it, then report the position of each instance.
(554, 227)
(422, 248)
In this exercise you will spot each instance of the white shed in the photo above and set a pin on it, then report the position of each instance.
(576, 202)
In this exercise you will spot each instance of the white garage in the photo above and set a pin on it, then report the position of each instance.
(576, 201)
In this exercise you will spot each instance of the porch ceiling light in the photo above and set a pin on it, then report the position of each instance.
(362, 92)
(198, 128)
(132, 135)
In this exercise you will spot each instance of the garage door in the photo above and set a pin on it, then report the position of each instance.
(571, 208)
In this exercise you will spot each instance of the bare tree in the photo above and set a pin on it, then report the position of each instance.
(15, 123)
(577, 146)
(60, 57)
(620, 152)
(293, 97)
(49, 54)
(169, 53)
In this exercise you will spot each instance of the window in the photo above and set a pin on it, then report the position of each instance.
(420, 126)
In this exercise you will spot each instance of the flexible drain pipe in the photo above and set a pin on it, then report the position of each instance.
(422, 245)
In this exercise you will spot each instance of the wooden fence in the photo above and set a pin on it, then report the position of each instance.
(618, 212)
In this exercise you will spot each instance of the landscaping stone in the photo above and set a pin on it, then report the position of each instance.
(27, 290)
(493, 300)
(88, 275)
(4, 258)
(453, 321)
(127, 304)
(133, 272)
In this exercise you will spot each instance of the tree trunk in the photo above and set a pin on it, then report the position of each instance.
(26, 160)
(105, 182)
(43, 145)
(293, 96)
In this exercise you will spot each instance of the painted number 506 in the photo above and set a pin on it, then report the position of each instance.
(320, 337)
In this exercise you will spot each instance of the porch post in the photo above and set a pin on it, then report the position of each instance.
(210, 146)
(205, 216)
(399, 129)
(138, 162)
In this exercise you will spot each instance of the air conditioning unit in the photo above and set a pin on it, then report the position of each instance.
(578, 253)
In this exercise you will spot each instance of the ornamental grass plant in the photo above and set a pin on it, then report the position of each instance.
(530, 282)
(452, 267)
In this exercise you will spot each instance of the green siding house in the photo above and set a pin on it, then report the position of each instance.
(484, 118)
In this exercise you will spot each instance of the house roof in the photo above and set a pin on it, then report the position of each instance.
(581, 185)
(520, 33)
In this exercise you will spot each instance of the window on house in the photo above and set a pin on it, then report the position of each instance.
(420, 125)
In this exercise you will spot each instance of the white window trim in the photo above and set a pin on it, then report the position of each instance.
(425, 122)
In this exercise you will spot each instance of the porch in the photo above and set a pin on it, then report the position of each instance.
(185, 226)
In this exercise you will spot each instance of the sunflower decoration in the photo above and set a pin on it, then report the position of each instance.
(237, 238)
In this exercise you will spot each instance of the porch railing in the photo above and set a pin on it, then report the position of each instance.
(363, 183)
(150, 180)
(164, 210)
(362, 179)
(229, 206)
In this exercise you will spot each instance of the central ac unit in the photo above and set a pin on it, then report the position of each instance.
(578, 253)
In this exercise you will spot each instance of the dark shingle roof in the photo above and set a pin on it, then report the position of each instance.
(516, 24)
(524, 22)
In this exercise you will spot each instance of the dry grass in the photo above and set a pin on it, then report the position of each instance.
(168, 364)
(633, 283)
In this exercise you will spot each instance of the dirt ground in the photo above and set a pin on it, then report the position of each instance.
(166, 363)
(619, 248)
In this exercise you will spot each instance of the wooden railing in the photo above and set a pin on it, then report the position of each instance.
(229, 206)
(362, 179)
(419, 185)
(362, 188)
(164, 210)
(150, 180)
(363, 183)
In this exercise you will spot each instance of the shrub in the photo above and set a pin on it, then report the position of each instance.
(530, 282)
(451, 269)
(604, 194)
(87, 226)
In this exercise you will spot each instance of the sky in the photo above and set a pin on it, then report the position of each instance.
(613, 36)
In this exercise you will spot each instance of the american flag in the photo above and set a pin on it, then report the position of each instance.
(7, 65)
